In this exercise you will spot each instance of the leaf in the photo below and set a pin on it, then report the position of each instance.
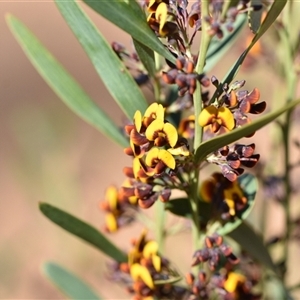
(69, 284)
(126, 16)
(109, 67)
(272, 15)
(218, 47)
(182, 208)
(249, 185)
(146, 56)
(82, 230)
(62, 83)
(255, 15)
(217, 142)
(253, 243)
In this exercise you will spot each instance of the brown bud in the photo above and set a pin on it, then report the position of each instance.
(128, 171)
(202, 276)
(253, 96)
(124, 267)
(165, 195)
(189, 277)
(147, 202)
(169, 77)
(128, 151)
(226, 250)
(190, 67)
(128, 128)
(232, 99)
(180, 61)
(209, 242)
(181, 80)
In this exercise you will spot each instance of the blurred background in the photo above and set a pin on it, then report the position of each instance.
(48, 154)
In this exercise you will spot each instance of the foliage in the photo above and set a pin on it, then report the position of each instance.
(185, 128)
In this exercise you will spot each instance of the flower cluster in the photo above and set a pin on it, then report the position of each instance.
(184, 76)
(132, 63)
(119, 209)
(214, 251)
(233, 159)
(223, 282)
(147, 274)
(231, 108)
(227, 197)
(174, 19)
(157, 154)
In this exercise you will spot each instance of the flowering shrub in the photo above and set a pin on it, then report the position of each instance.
(192, 121)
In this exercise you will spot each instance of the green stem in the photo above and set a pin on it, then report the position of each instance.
(291, 80)
(156, 84)
(160, 216)
(193, 196)
(204, 44)
(193, 193)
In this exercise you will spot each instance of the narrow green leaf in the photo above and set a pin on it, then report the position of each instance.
(228, 138)
(62, 83)
(218, 47)
(249, 185)
(255, 15)
(109, 67)
(82, 230)
(146, 56)
(182, 207)
(69, 284)
(125, 16)
(272, 15)
(253, 243)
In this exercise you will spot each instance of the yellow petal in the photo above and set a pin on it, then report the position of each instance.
(151, 109)
(136, 166)
(111, 197)
(161, 13)
(111, 222)
(156, 261)
(171, 133)
(151, 156)
(167, 158)
(140, 272)
(232, 281)
(153, 5)
(181, 150)
(156, 111)
(228, 195)
(138, 120)
(227, 117)
(207, 114)
(150, 249)
(155, 126)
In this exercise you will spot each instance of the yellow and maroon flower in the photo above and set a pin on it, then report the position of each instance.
(219, 119)
(116, 204)
(160, 18)
(159, 160)
(161, 133)
(219, 191)
(187, 127)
